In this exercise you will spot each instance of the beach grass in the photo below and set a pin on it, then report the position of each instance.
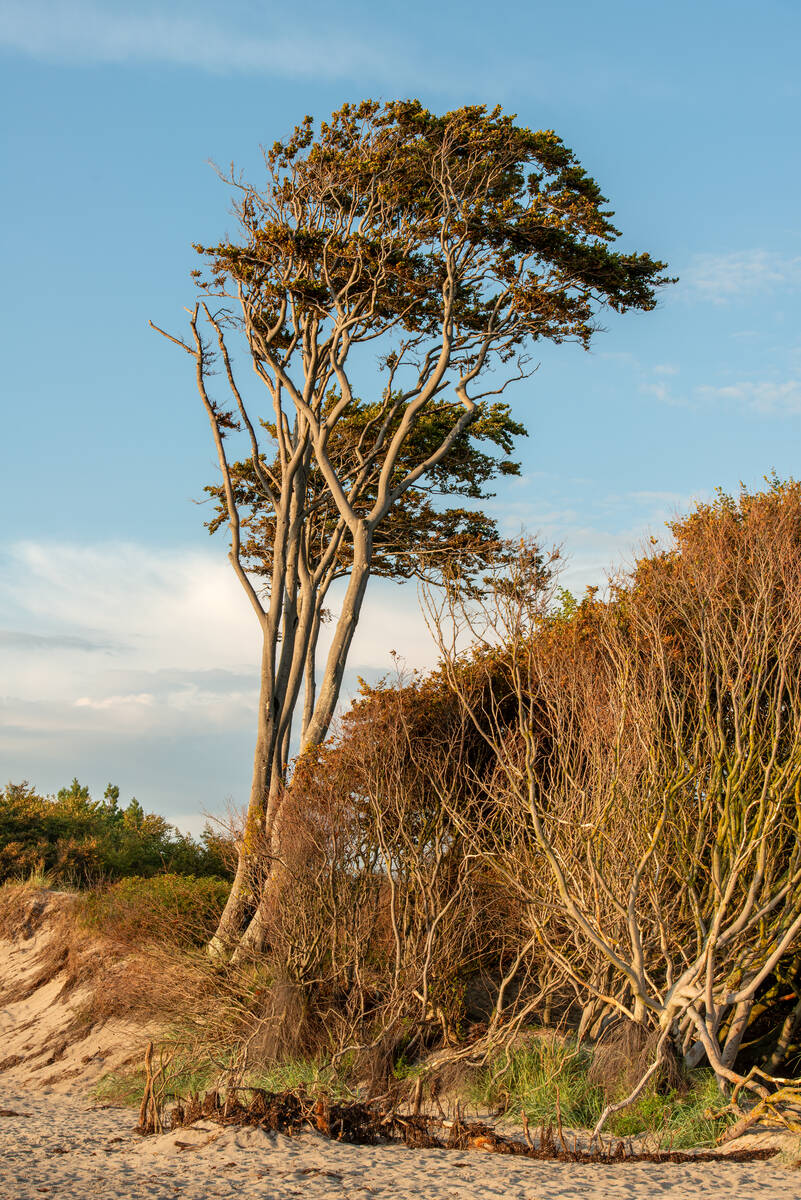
(550, 1080)
(185, 1078)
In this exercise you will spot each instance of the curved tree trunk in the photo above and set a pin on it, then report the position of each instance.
(242, 927)
(269, 814)
(240, 899)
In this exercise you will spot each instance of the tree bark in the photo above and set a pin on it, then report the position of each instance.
(254, 938)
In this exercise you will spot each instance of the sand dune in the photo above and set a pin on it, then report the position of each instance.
(46, 1040)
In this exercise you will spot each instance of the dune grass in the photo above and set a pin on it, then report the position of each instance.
(125, 1088)
(186, 1078)
(682, 1119)
(544, 1077)
(547, 1079)
(550, 1078)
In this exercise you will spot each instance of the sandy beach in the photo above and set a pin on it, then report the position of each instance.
(56, 1144)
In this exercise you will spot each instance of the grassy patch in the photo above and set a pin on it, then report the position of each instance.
(123, 1088)
(186, 1077)
(550, 1077)
(680, 1120)
(283, 1076)
(547, 1079)
(546, 1074)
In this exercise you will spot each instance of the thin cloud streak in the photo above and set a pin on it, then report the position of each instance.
(186, 643)
(767, 397)
(15, 639)
(72, 31)
(723, 278)
(172, 714)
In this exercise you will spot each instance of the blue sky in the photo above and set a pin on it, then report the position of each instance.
(127, 651)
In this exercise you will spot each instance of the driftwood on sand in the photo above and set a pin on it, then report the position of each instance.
(369, 1124)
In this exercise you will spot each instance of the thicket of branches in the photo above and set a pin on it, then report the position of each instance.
(589, 816)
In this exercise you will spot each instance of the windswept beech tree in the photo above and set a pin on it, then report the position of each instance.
(444, 247)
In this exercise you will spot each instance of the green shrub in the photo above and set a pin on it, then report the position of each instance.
(81, 841)
(170, 909)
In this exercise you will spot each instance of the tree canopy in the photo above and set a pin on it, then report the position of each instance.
(439, 249)
(74, 839)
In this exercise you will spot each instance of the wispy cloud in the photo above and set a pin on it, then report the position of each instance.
(659, 390)
(16, 639)
(594, 550)
(173, 709)
(267, 39)
(722, 278)
(181, 627)
(661, 383)
(658, 500)
(768, 397)
(137, 699)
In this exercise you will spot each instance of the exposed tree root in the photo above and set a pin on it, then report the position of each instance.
(782, 1106)
(357, 1123)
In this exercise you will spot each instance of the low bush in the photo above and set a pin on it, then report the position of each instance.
(177, 910)
(74, 839)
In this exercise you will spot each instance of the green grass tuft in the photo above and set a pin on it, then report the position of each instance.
(120, 1088)
(680, 1120)
(185, 1078)
(547, 1074)
(549, 1077)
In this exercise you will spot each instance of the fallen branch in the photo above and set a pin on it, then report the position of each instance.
(369, 1124)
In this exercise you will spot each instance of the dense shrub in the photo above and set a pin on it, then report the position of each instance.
(77, 840)
(169, 909)
(590, 813)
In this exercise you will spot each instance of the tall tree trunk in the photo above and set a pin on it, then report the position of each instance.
(242, 898)
(254, 937)
(331, 683)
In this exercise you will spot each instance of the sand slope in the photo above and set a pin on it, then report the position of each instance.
(46, 1038)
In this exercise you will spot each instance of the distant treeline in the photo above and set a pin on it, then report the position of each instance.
(77, 840)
